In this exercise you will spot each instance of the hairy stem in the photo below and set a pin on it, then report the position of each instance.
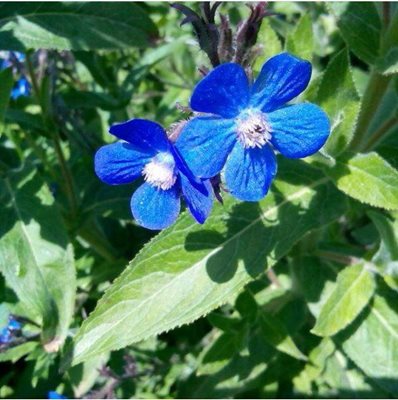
(380, 134)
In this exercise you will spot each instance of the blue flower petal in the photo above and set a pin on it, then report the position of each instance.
(21, 88)
(146, 135)
(300, 130)
(224, 91)
(249, 172)
(282, 78)
(205, 143)
(119, 163)
(155, 208)
(198, 202)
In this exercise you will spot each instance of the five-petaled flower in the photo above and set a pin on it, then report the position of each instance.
(245, 123)
(145, 150)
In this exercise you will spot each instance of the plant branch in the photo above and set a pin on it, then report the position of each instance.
(380, 134)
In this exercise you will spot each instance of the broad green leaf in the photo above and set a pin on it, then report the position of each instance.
(84, 376)
(338, 96)
(386, 257)
(314, 368)
(243, 372)
(355, 287)
(388, 64)
(269, 42)
(220, 351)
(15, 353)
(74, 26)
(36, 258)
(300, 42)
(372, 341)
(276, 334)
(189, 270)
(345, 380)
(6, 84)
(367, 178)
(360, 26)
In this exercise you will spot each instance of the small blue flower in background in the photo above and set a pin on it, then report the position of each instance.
(55, 395)
(146, 151)
(21, 88)
(246, 123)
(15, 60)
(12, 329)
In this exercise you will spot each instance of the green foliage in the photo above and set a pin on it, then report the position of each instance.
(67, 26)
(294, 296)
(355, 287)
(369, 179)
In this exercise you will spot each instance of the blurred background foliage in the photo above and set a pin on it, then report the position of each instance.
(322, 322)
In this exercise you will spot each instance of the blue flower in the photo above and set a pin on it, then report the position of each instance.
(21, 88)
(55, 395)
(11, 330)
(245, 123)
(15, 59)
(5, 336)
(146, 151)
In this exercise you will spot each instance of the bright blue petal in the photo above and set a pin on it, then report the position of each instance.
(55, 395)
(300, 130)
(119, 163)
(21, 88)
(249, 172)
(282, 78)
(155, 208)
(224, 91)
(205, 143)
(146, 135)
(198, 202)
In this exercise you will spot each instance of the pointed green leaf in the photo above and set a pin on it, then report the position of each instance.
(189, 270)
(74, 26)
(372, 342)
(338, 96)
(386, 257)
(300, 42)
(35, 256)
(360, 26)
(367, 178)
(355, 287)
(276, 334)
(388, 64)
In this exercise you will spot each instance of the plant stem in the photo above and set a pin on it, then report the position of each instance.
(53, 131)
(372, 97)
(379, 134)
(337, 257)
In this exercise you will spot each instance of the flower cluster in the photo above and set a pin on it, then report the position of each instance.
(240, 125)
(10, 331)
(15, 60)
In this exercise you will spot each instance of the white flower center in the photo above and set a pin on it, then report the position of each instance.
(160, 171)
(253, 129)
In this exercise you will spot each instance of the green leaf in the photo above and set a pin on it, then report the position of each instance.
(372, 342)
(242, 373)
(314, 368)
(388, 64)
(269, 42)
(189, 270)
(367, 178)
(300, 42)
(386, 257)
(15, 353)
(6, 84)
(276, 334)
(360, 26)
(337, 95)
(355, 287)
(74, 26)
(35, 256)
